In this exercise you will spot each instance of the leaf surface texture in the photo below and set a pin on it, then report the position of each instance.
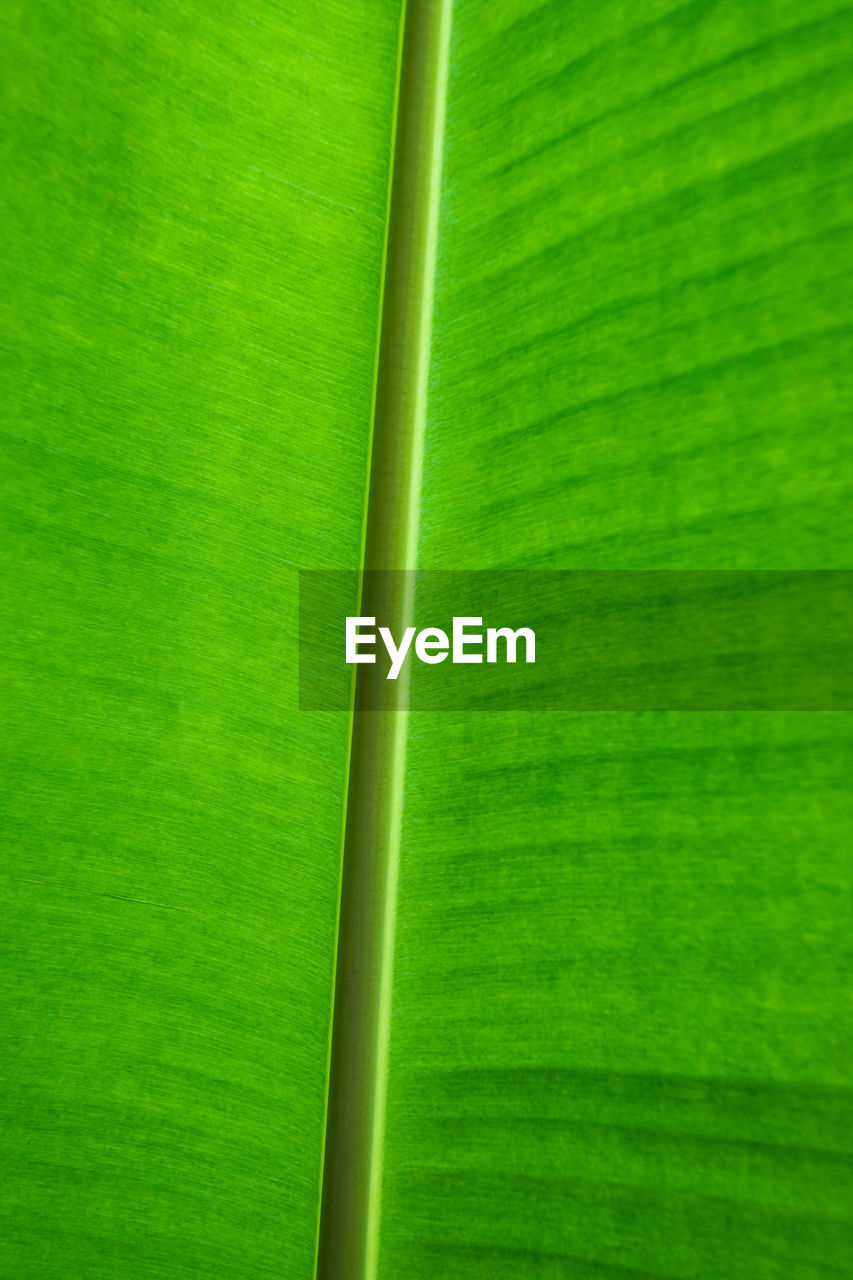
(194, 219)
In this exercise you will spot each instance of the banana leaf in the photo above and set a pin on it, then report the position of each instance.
(619, 1039)
(193, 222)
(539, 286)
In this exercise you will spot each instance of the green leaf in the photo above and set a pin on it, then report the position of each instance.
(591, 1017)
(194, 219)
(618, 1035)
